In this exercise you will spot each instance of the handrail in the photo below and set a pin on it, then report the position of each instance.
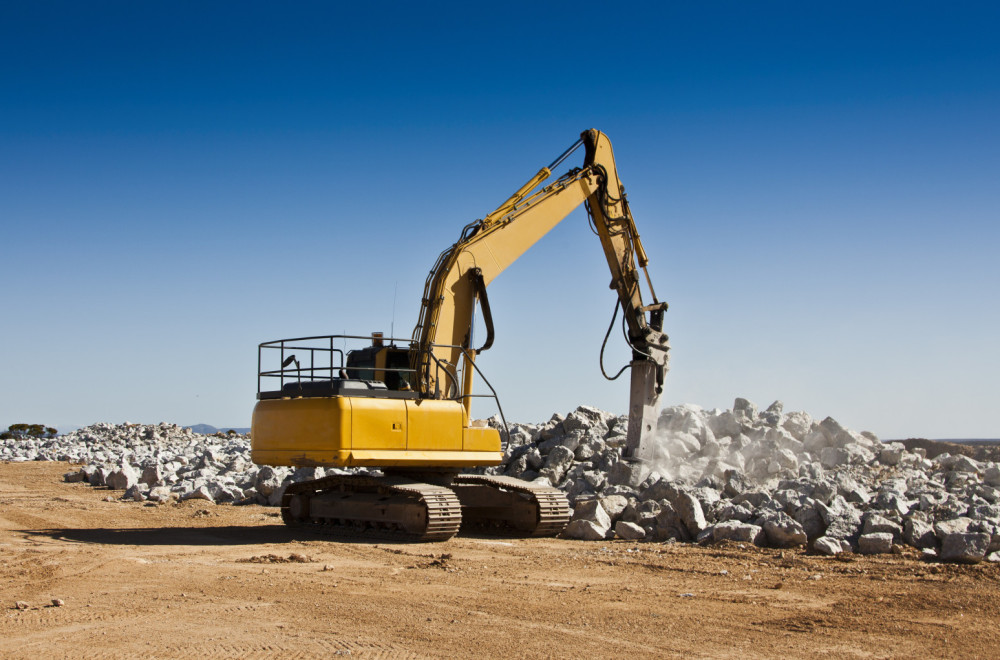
(287, 348)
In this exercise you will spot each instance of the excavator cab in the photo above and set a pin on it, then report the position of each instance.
(385, 364)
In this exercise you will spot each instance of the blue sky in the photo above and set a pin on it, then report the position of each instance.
(817, 188)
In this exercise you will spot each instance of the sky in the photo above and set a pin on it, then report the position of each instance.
(817, 187)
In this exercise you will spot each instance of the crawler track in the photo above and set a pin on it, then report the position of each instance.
(399, 508)
(393, 507)
(510, 503)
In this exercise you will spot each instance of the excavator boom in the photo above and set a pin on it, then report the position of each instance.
(489, 246)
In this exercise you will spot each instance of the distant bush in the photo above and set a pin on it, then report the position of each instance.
(19, 431)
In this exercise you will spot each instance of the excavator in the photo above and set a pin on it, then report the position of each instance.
(402, 408)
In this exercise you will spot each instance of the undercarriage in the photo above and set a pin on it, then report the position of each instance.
(405, 507)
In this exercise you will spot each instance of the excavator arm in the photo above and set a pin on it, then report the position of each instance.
(443, 335)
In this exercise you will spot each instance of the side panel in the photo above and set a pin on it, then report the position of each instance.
(481, 439)
(357, 431)
(378, 423)
(434, 425)
(301, 431)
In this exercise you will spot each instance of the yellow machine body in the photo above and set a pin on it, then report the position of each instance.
(346, 431)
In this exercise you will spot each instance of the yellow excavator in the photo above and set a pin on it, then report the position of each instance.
(403, 406)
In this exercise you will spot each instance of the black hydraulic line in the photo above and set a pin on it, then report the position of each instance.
(605, 343)
(484, 302)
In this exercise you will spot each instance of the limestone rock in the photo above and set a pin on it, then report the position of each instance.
(585, 530)
(875, 524)
(200, 493)
(690, 512)
(151, 476)
(875, 543)
(782, 531)
(593, 512)
(826, 545)
(159, 494)
(614, 505)
(267, 480)
(134, 493)
(964, 548)
(737, 531)
(919, 534)
(123, 478)
(629, 531)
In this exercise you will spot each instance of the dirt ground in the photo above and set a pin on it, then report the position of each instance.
(191, 579)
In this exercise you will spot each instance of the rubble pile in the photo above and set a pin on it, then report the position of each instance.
(164, 462)
(764, 477)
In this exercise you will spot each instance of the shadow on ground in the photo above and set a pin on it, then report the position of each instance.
(204, 536)
(230, 535)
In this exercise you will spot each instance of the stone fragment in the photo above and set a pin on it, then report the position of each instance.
(661, 489)
(875, 524)
(534, 459)
(958, 525)
(267, 480)
(826, 545)
(965, 464)
(782, 531)
(76, 476)
(593, 512)
(919, 533)
(737, 531)
(200, 493)
(629, 473)
(811, 520)
(744, 411)
(669, 524)
(629, 531)
(134, 493)
(96, 477)
(842, 520)
(964, 548)
(891, 454)
(735, 483)
(151, 476)
(614, 505)
(159, 494)
(123, 478)
(557, 463)
(584, 530)
(875, 544)
(992, 476)
(274, 499)
(772, 416)
(690, 512)
(730, 511)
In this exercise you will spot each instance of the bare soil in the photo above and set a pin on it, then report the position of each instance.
(985, 450)
(194, 579)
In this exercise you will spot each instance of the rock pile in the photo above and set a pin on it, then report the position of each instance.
(164, 462)
(763, 477)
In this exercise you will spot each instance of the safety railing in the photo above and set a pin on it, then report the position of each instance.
(324, 358)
